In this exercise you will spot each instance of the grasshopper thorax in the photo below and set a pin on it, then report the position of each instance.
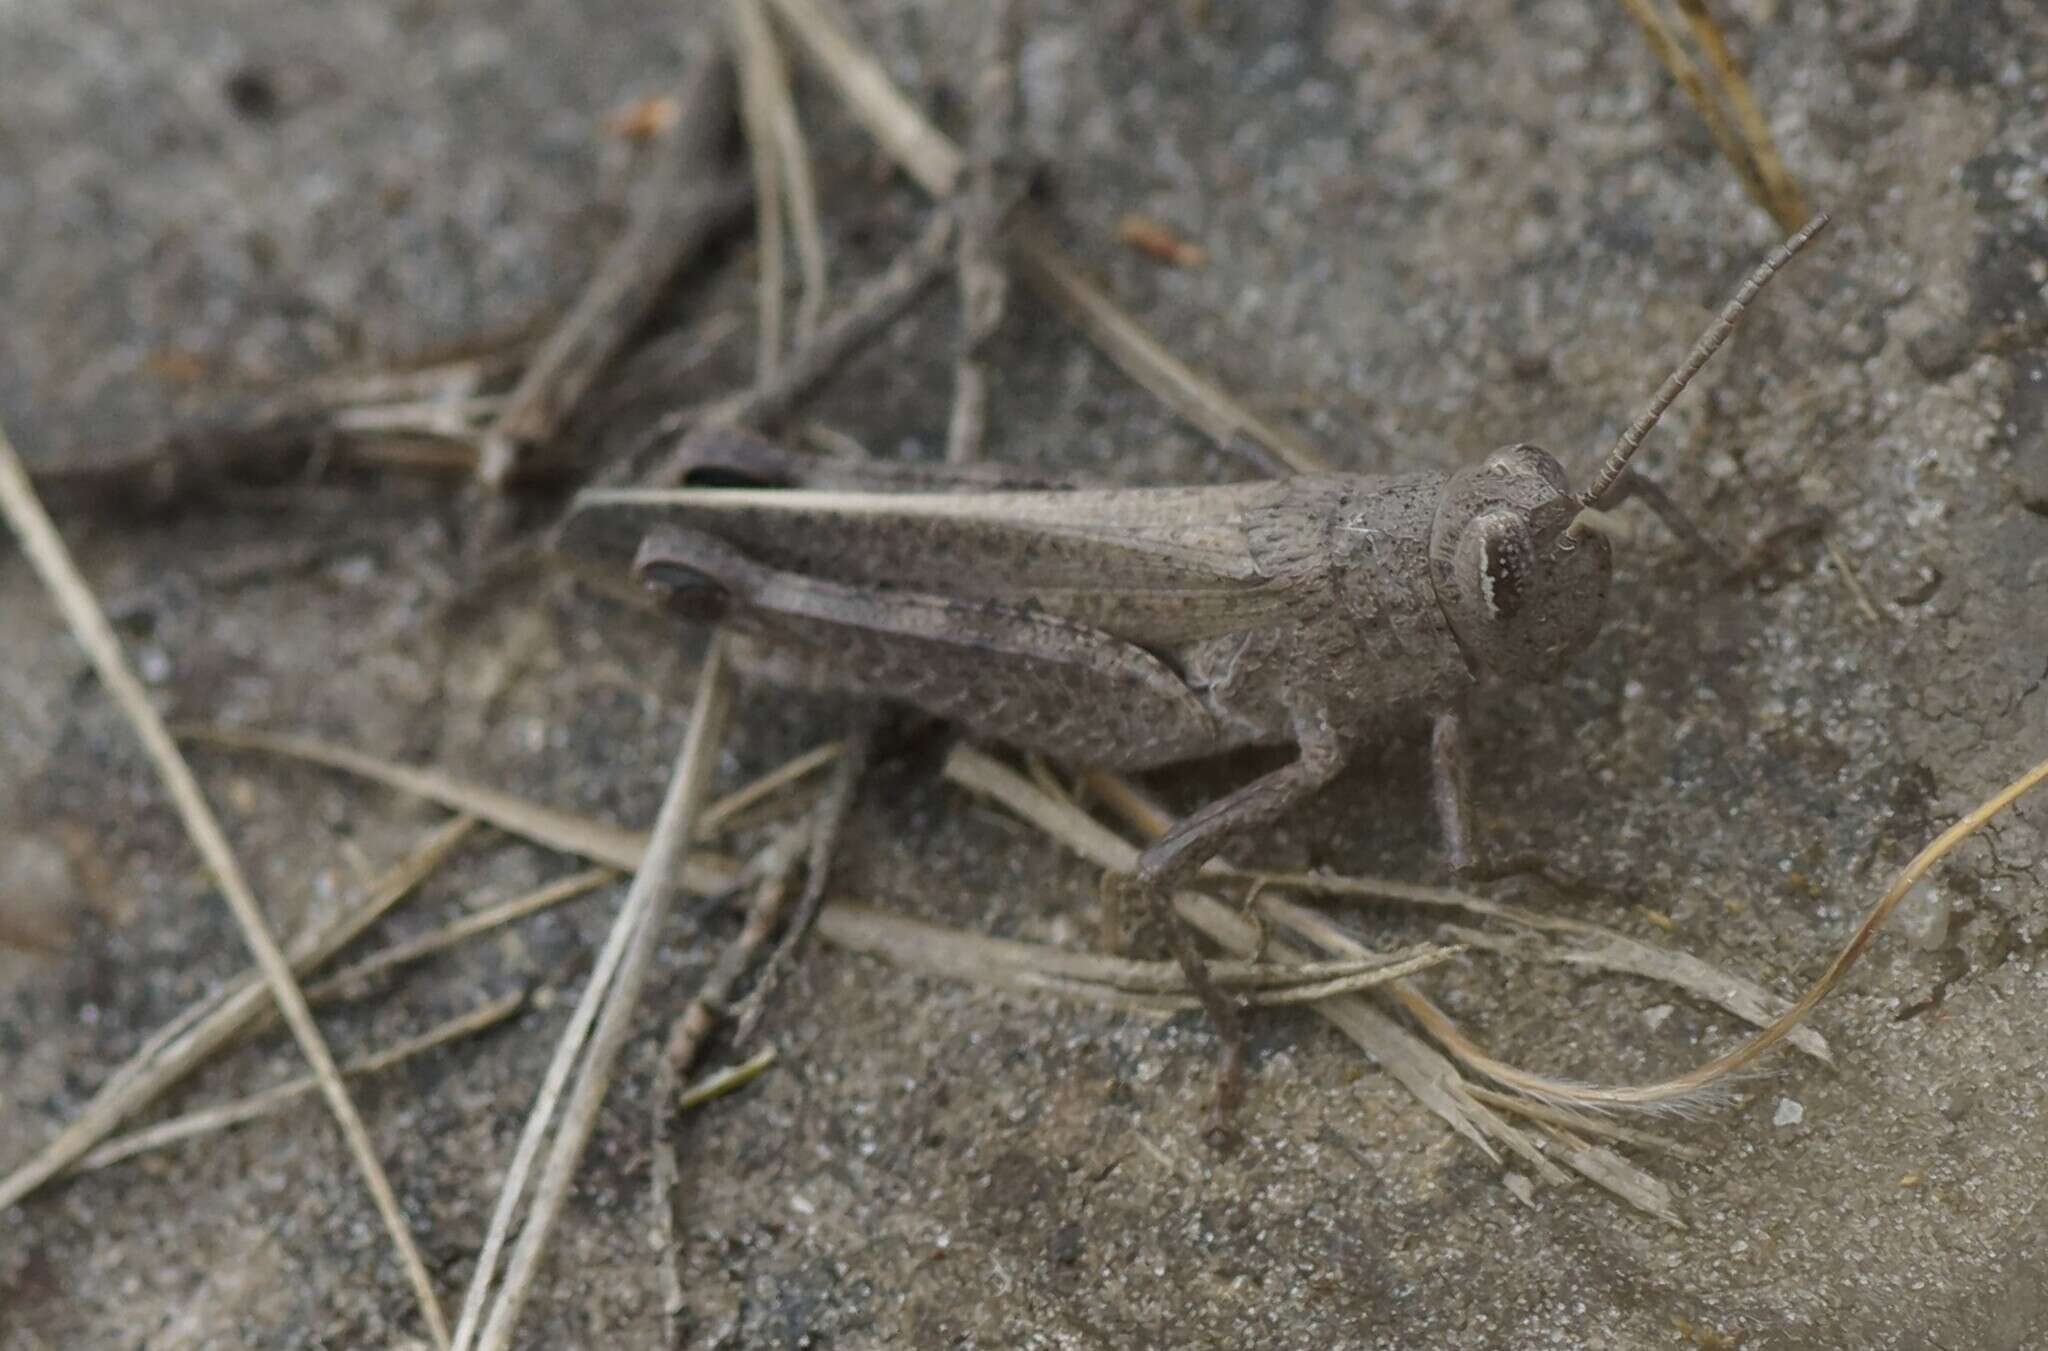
(1521, 599)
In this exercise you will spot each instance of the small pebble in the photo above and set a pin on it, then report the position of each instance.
(1790, 1113)
(153, 664)
(1942, 349)
(38, 893)
(1653, 1018)
(1922, 917)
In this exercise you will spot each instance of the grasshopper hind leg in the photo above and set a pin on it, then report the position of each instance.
(1177, 855)
(1007, 673)
(689, 591)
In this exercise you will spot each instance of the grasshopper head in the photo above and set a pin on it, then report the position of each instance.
(1521, 598)
(1518, 569)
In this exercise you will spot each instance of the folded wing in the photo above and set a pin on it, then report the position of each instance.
(1156, 566)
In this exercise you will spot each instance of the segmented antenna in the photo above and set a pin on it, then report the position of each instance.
(1702, 352)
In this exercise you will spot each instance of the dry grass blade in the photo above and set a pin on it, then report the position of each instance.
(800, 187)
(1289, 982)
(1745, 149)
(933, 949)
(729, 808)
(770, 873)
(1023, 967)
(1431, 1077)
(1146, 360)
(769, 906)
(1686, 1091)
(1581, 1124)
(533, 902)
(569, 833)
(761, 82)
(1605, 949)
(1692, 1087)
(604, 1013)
(1620, 1177)
(979, 772)
(1270, 992)
(439, 419)
(1600, 1165)
(582, 836)
(1679, 1089)
(937, 164)
(273, 437)
(1372, 971)
(1419, 1068)
(434, 379)
(728, 1080)
(53, 563)
(1857, 590)
(921, 149)
(1671, 54)
(273, 1100)
(828, 825)
(1616, 952)
(675, 211)
(1783, 198)
(983, 284)
(878, 302)
(771, 114)
(185, 1042)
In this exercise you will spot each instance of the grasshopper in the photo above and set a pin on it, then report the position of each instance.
(1130, 628)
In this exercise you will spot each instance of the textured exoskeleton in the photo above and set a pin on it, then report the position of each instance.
(1135, 627)
(1129, 628)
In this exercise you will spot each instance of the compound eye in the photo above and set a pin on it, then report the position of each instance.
(1506, 564)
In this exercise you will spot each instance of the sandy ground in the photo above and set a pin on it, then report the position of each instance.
(1428, 233)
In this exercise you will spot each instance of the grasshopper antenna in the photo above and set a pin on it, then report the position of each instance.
(1702, 352)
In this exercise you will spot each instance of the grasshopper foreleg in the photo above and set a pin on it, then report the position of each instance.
(1448, 791)
(1454, 815)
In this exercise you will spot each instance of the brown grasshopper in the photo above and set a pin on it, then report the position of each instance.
(1129, 628)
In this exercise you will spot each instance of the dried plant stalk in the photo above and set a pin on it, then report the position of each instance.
(88, 623)
(1744, 142)
(676, 211)
(937, 164)
(601, 1015)
(188, 1040)
(273, 1100)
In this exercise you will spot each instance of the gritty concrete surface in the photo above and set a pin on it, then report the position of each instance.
(1430, 230)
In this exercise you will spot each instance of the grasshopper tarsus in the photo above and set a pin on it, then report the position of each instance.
(1225, 1015)
(1534, 865)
